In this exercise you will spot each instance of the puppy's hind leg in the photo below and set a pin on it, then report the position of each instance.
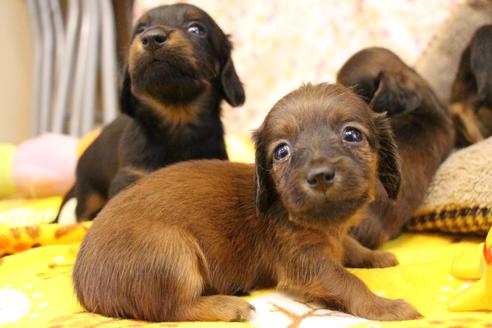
(191, 306)
(184, 279)
(160, 276)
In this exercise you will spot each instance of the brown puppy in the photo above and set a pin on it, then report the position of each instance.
(179, 71)
(172, 246)
(471, 93)
(423, 132)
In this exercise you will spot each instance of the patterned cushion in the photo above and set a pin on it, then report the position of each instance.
(459, 199)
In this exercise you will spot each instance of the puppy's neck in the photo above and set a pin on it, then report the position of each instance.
(278, 214)
(158, 116)
(175, 114)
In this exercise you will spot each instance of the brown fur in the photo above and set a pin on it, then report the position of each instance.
(423, 133)
(471, 93)
(177, 244)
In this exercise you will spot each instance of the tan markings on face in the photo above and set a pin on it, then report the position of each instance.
(192, 14)
(466, 115)
(136, 51)
(144, 19)
(179, 42)
(484, 114)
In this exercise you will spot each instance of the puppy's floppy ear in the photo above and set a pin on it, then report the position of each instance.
(361, 82)
(480, 63)
(265, 192)
(395, 94)
(232, 87)
(128, 102)
(388, 160)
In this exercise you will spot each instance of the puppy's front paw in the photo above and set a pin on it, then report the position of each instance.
(380, 259)
(383, 309)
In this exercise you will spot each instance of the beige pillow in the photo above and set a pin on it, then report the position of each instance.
(459, 199)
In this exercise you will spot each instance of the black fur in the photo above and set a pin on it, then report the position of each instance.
(471, 93)
(191, 73)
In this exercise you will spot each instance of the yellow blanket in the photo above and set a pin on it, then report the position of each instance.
(36, 290)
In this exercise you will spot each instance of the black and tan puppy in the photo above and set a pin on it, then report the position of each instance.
(423, 132)
(179, 71)
(471, 93)
(174, 246)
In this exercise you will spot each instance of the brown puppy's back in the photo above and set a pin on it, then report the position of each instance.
(162, 225)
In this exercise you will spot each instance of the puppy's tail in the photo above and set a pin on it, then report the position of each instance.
(70, 194)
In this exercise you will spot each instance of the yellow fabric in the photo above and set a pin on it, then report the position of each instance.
(36, 289)
(478, 265)
(28, 212)
(423, 278)
(7, 186)
(41, 276)
(19, 239)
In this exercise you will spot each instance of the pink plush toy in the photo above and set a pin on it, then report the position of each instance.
(45, 165)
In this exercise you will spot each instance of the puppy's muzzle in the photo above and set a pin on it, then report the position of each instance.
(320, 177)
(154, 38)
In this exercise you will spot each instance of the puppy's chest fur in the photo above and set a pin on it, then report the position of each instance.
(150, 143)
(251, 252)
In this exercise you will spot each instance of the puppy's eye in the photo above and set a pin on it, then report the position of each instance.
(196, 28)
(282, 152)
(140, 29)
(351, 134)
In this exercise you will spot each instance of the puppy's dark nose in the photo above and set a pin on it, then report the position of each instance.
(153, 39)
(320, 178)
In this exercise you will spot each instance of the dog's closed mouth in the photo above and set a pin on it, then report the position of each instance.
(172, 102)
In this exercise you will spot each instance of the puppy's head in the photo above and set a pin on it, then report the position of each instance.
(319, 151)
(471, 92)
(176, 53)
(383, 80)
(481, 65)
